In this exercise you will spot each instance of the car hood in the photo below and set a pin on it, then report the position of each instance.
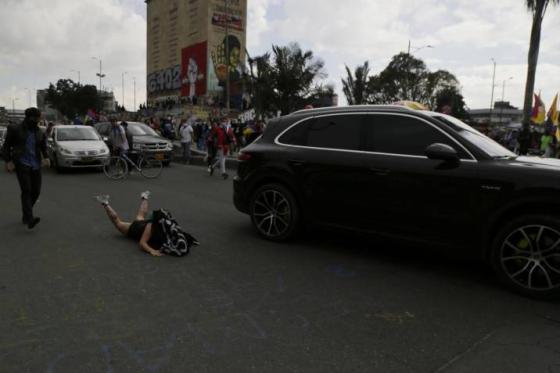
(548, 163)
(82, 145)
(148, 139)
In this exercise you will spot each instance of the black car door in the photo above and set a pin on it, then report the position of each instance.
(415, 196)
(330, 164)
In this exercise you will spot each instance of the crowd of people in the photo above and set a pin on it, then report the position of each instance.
(533, 140)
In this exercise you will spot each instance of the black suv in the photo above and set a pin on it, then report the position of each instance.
(416, 175)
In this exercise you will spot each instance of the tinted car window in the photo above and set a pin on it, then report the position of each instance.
(297, 135)
(336, 132)
(398, 134)
(139, 129)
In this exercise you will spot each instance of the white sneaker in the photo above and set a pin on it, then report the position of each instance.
(145, 195)
(103, 199)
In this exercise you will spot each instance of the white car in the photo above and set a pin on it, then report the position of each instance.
(76, 147)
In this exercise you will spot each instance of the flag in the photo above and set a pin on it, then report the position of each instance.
(553, 111)
(538, 114)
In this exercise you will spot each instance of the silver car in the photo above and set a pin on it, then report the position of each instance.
(3, 131)
(76, 147)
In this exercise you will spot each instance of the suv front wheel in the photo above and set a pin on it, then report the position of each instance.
(274, 212)
(526, 255)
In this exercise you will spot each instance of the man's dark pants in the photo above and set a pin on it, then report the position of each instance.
(30, 185)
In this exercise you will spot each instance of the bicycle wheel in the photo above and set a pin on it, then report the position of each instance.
(115, 168)
(150, 168)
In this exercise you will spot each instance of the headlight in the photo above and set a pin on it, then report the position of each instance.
(137, 146)
(169, 146)
(103, 151)
(64, 150)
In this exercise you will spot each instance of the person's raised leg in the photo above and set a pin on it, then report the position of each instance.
(143, 210)
(112, 214)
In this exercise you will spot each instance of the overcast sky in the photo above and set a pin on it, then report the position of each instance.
(42, 41)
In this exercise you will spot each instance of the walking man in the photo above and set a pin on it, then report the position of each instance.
(24, 150)
(186, 133)
(117, 138)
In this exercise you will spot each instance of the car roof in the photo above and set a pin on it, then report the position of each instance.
(354, 108)
(71, 126)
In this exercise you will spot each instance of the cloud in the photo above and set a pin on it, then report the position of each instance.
(43, 41)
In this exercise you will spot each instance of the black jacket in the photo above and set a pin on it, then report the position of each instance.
(16, 137)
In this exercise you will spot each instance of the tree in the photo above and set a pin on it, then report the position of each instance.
(538, 8)
(286, 79)
(408, 78)
(72, 99)
(355, 86)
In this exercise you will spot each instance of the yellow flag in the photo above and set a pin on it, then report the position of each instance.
(553, 111)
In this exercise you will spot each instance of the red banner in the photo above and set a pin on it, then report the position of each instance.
(193, 70)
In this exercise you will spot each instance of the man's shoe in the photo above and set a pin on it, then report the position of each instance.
(33, 222)
(211, 170)
(103, 199)
(225, 176)
(145, 195)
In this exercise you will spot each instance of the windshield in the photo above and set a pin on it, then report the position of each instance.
(139, 129)
(482, 141)
(77, 134)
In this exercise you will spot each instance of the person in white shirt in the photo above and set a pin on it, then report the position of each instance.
(186, 132)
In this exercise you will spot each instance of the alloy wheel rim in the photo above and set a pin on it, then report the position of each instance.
(272, 213)
(530, 257)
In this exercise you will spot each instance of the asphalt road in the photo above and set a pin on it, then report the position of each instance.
(77, 297)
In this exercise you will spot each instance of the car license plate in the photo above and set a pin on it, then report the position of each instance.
(159, 157)
(87, 159)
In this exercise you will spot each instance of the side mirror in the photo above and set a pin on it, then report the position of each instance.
(105, 138)
(442, 152)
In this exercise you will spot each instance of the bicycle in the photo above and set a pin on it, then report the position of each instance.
(149, 166)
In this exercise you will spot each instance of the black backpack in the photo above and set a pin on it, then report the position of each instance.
(174, 241)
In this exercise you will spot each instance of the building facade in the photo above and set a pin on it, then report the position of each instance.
(195, 49)
(500, 115)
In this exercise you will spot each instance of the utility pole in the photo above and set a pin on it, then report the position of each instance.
(123, 74)
(503, 100)
(492, 96)
(100, 74)
(134, 80)
(14, 105)
(227, 55)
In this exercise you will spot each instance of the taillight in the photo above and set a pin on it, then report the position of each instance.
(243, 156)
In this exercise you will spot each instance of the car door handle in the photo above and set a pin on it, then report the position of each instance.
(296, 162)
(379, 171)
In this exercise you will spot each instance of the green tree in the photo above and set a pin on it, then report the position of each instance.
(286, 79)
(72, 99)
(408, 78)
(538, 8)
(355, 86)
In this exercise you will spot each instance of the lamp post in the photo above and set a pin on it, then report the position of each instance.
(28, 96)
(14, 99)
(503, 100)
(134, 82)
(492, 96)
(123, 74)
(414, 49)
(100, 74)
(77, 71)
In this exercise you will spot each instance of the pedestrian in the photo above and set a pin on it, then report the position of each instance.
(117, 138)
(156, 233)
(186, 133)
(524, 140)
(221, 140)
(25, 151)
(547, 144)
(211, 145)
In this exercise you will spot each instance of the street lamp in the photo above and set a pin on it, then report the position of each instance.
(28, 96)
(415, 49)
(77, 71)
(14, 99)
(492, 96)
(134, 81)
(100, 74)
(503, 100)
(123, 74)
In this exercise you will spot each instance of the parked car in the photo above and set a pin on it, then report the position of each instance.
(141, 138)
(414, 175)
(76, 147)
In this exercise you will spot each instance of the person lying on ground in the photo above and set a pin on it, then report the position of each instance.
(157, 234)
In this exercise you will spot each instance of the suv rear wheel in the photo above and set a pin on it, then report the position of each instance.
(274, 212)
(526, 255)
